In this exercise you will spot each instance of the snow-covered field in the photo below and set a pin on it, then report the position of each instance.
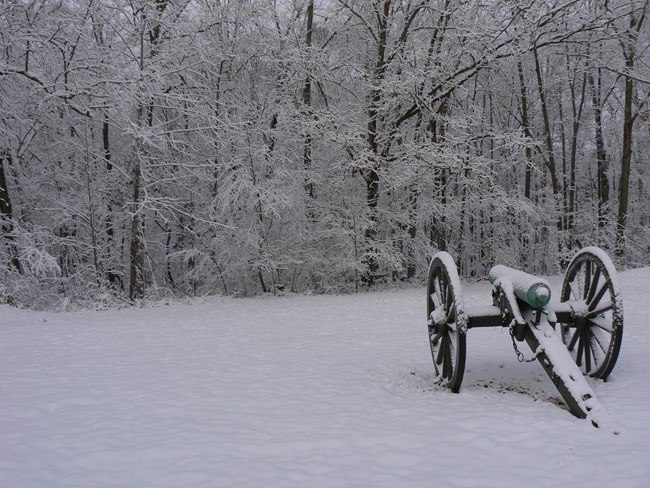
(305, 392)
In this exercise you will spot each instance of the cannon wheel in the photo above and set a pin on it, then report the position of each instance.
(595, 334)
(447, 321)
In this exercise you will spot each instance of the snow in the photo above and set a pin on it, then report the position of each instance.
(439, 315)
(318, 391)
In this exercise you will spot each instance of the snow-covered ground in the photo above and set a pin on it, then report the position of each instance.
(305, 392)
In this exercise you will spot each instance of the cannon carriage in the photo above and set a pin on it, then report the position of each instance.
(578, 335)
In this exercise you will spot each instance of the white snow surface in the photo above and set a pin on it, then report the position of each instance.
(298, 391)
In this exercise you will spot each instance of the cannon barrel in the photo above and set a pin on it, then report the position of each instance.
(529, 288)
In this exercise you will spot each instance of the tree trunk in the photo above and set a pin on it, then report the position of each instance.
(628, 122)
(438, 234)
(137, 245)
(6, 214)
(550, 155)
(412, 229)
(306, 99)
(136, 250)
(526, 126)
(371, 175)
(601, 154)
(577, 106)
(626, 159)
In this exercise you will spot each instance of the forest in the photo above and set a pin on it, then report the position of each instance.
(175, 148)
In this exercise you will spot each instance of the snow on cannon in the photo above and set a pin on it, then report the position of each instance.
(579, 335)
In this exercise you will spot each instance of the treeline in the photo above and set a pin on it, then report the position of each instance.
(183, 147)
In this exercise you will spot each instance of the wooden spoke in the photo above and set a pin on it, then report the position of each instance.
(593, 286)
(574, 339)
(447, 367)
(451, 316)
(595, 300)
(587, 348)
(575, 290)
(603, 324)
(452, 339)
(587, 279)
(437, 295)
(441, 350)
(443, 291)
(581, 346)
(442, 363)
(598, 342)
(603, 307)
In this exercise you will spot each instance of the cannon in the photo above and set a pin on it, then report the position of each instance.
(578, 335)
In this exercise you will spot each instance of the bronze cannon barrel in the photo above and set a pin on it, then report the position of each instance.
(529, 288)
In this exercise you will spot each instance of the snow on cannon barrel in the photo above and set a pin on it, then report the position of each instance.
(529, 288)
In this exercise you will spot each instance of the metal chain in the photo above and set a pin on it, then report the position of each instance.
(520, 355)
